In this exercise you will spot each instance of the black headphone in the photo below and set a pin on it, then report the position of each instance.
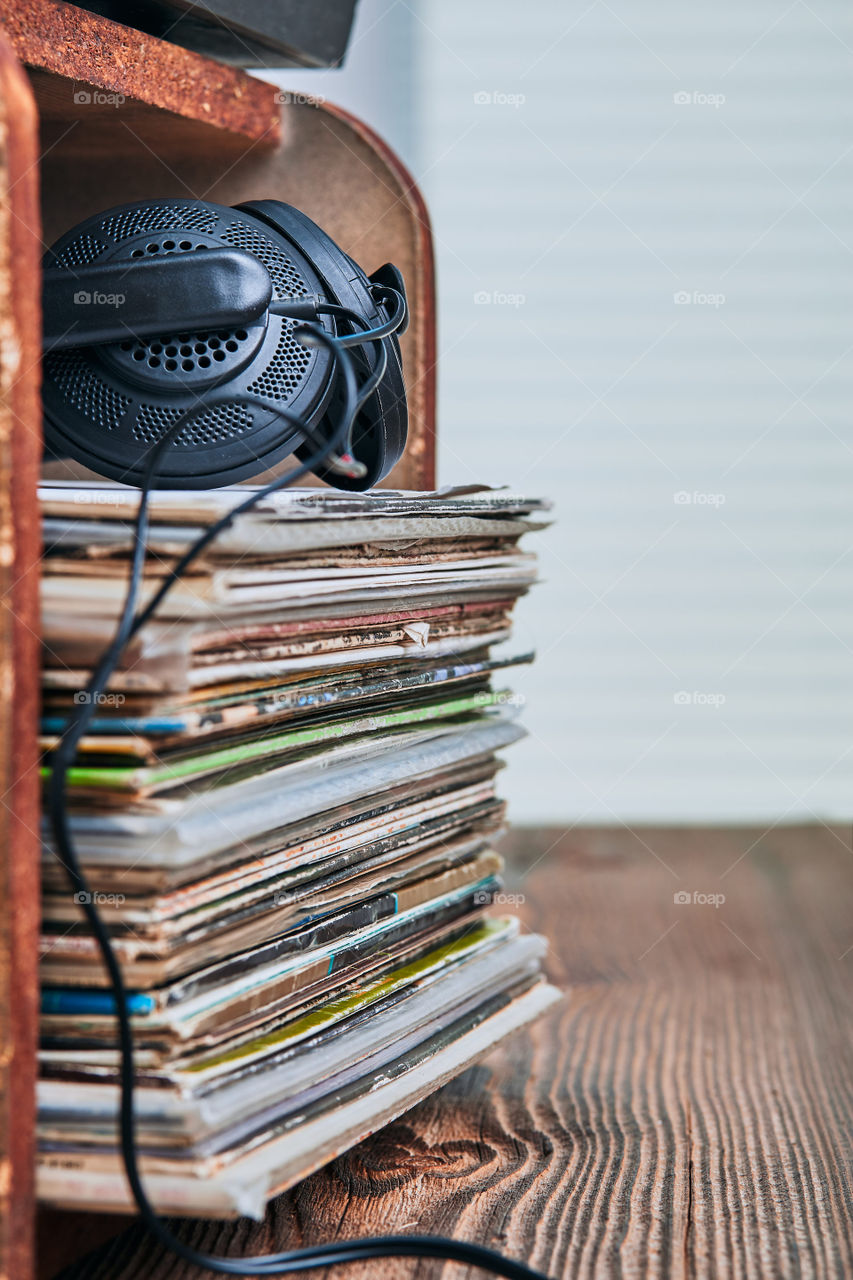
(165, 309)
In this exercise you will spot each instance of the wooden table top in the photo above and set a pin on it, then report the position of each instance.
(686, 1112)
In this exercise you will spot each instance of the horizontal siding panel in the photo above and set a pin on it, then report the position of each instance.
(711, 208)
(598, 198)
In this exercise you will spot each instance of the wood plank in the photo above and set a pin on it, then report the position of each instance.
(84, 66)
(686, 1113)
(20, 450)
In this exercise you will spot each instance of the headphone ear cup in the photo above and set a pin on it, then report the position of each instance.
(107, 404)
(380, 430)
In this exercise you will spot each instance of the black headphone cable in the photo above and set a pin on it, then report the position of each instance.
(131, 620)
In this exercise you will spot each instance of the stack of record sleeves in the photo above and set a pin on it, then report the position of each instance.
(284, 805)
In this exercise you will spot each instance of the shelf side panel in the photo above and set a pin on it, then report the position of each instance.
(20, 449)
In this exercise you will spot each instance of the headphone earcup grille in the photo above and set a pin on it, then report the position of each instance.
(157, 217)
(287, 280)
(223, 422)
(81, 252)
(107, 404)
(184, 359)
(72, 373)
(285, 371)
(152, 421)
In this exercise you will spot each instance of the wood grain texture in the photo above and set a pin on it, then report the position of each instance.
(20, 450)
(84, 63)
(686, 1113)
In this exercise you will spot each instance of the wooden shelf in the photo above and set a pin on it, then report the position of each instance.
(125, 116)
(20, 446)
(83, 66)
(94, 114)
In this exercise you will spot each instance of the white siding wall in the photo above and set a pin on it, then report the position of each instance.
(585, 188)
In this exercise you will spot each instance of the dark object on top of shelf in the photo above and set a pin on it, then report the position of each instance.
(245, 33)
(158, 312)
